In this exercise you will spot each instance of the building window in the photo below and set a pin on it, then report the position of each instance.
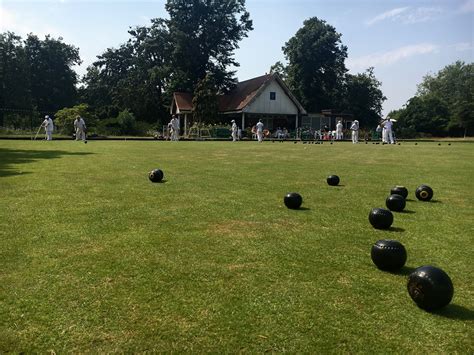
(272, 95)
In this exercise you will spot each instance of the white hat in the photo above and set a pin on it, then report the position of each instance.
(46, 116)
(232, 121)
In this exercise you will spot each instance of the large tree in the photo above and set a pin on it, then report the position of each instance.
(204, 35)
(50, 68)
(205, 104)
(175, 54)
(36, 74)
(133, 76)
(442, 105)
(423, 114)
(454, 86)
(363, 97)
(14, 78)
(316, 69)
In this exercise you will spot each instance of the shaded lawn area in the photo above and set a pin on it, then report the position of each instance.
(95, 258)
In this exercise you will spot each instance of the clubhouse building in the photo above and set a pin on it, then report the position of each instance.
(266, 97)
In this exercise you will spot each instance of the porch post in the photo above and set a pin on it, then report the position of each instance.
(185, 124)
(243, 121)
(296, 127)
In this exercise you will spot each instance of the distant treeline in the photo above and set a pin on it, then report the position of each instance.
(129, 88)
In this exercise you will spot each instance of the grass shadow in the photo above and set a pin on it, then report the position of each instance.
(404, 271)
(304, 209)
(407, 211)
(454, 311)
(12, 157)
(435, 201)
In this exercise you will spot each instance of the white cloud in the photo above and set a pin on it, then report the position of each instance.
(467, 6)
(390, 57)
(22, 25)
(7, 19)
(387, 15)
(407, 15)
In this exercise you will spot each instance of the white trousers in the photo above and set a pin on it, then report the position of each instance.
(49, 135)
(389, 136)
(80, 134)
(259, 136)
(234, 136)
(338, 135)
(174, 135)
(355, 137)
(384, 136)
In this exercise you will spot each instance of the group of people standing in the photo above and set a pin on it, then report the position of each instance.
(385, 127)
(79, 128)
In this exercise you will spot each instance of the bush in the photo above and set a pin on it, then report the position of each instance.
(64, 119)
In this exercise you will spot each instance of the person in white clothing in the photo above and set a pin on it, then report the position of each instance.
(259, 130)
(174, 128)
(234, 131)
(355, 131)
(339, 130)
(387, 126)
(48, 127)
(80, 127)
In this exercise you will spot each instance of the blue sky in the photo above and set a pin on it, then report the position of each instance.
(402, 40)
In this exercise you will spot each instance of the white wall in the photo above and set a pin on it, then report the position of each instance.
(281, 105)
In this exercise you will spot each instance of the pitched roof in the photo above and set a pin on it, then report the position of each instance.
(184, 101)
(239, 97)
(242, 94)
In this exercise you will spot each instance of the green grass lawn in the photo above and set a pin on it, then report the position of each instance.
(96, 258)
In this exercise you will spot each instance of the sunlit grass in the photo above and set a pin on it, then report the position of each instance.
(95, 258)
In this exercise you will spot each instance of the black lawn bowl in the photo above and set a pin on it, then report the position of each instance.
(395, 203)
(424, 193)
(293, 200)
(399, 190)
(333, 180)
(156, 175)
(380, 218)
(430, 288)
(388, 255)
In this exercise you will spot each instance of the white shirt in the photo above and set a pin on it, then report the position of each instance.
(174, 123)
(339, 127)
(234, 127)
(79, 123)
(388, 125)
(355, 126)
(48, 124)
(259, 127)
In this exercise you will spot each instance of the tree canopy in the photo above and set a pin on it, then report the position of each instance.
(37, 74)
(174, 54)
(443, 103)
(204, 35)
(316, 68)
(363, 97)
